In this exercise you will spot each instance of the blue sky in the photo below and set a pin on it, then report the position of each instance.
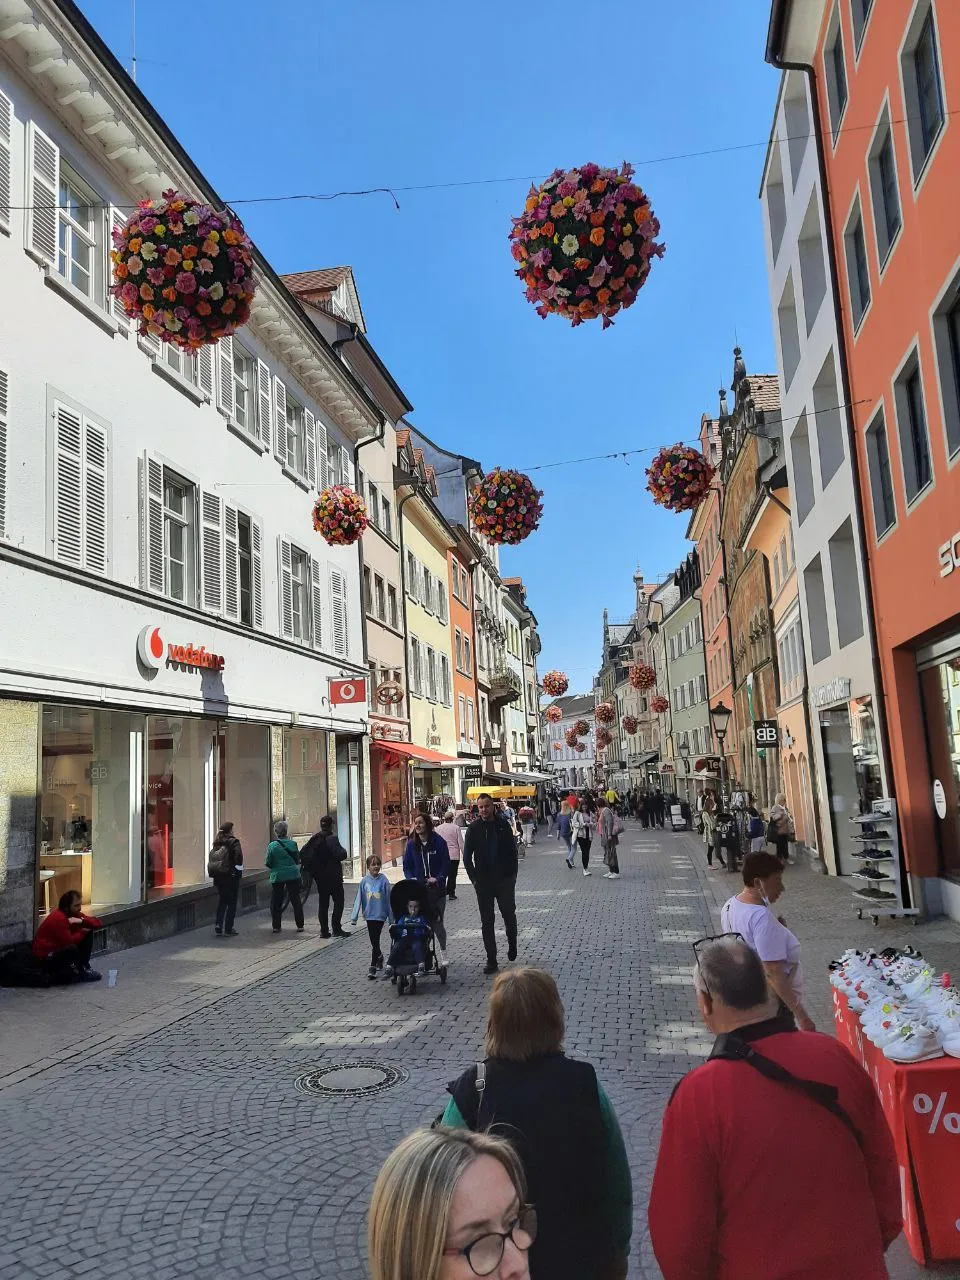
(312, 96)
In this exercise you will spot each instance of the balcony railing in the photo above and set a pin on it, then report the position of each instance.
(505, 685)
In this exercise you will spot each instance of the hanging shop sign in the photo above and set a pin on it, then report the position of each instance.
(347, 691)
(154, 652)
(837, 690)
(939, 799)
(472, 773)
(766, 733)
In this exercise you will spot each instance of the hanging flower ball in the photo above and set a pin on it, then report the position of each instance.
(604, 738)
(642, 677)
(581, 728)
(584, 243)
(505, 507)
(555, 683)
(183, 271)
(558, 746)
(659, 704)
(630, 724)
(604, 713)
(580, 746)
(570, 737)
(679, 477)
(340, 515)
(553, 714)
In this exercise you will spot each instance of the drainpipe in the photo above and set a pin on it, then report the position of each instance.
(777, 19)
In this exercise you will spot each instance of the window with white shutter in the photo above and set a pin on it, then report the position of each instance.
(95, 484)
(204, 359)
(4, 386)
(415, 683)
(426, 598)
(316, 602)
(346, 467)
(6, 169)
(447, 687)
(338, 611)
(231, 562)
(442, 602)
(43, 192)
(285, 557)
(118, 219)
(80, 490)
(152, 574)
(225, 375)
(280, 421)
(323, 465)
(310, 449)
(412, 577)
(211, 552)
(264, 404)
(256, 575)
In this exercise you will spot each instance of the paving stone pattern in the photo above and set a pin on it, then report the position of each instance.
(177, 1144)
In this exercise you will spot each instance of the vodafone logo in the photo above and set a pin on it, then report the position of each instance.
(150, 647)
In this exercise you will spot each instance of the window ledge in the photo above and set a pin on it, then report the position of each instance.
(177, 380)
(300, 481)
(80, 301)
(254, 442)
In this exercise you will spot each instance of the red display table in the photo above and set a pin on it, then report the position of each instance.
(922, 1105)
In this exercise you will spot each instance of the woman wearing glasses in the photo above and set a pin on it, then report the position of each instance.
(448, 1206)
(565, 1130)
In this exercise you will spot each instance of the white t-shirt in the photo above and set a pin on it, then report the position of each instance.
(770, 939)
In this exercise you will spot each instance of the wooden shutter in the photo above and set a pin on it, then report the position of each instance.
(204, 360)
(316, 601)
(338, 611)
(285, 558)
(225, 375)
(264, 404)
(323, 465)
(152, 566)
(68, 486)
(118, 219)
(43, 195)
(256, 572)
(211, 552)
(96, 541)
(6, 170)
(231, 561)
(310, 446)
(3, 453)
(280, 420)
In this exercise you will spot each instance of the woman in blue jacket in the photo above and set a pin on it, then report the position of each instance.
(427, 859)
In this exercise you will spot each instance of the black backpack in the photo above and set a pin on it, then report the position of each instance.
(220, 860)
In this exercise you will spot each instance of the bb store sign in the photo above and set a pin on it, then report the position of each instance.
(154, 652)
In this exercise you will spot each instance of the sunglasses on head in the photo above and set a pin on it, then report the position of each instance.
(702, 942)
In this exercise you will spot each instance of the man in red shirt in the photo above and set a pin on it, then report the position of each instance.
(775, 1158)
(64, 941)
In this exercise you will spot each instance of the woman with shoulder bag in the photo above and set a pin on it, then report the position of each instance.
(780, 828)
(583, 826)
(225, 866)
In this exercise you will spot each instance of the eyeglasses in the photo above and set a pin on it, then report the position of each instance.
(484, 1254)
(702, 942)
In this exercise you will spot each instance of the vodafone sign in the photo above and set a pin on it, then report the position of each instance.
(153, 652)
(348, 691)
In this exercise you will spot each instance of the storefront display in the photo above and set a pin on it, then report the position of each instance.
(306, 789)
(853, 776)
(940, 689)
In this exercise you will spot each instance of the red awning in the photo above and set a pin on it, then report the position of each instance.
(425, 754)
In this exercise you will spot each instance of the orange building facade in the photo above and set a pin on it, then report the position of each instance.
(885, 77)
(461, 559)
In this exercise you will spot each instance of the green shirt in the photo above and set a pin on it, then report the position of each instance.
(282, 861)
(618, 1192)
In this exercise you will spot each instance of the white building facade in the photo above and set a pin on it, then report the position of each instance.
(569, 767)
(841, 689)
(172, 623)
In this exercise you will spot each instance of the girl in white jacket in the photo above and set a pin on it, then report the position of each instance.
(583, 826)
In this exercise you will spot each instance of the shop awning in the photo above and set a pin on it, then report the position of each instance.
(424, 754)
(647, 756)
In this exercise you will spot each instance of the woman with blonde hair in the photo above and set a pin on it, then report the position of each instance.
(448, 1205)
(562, 1124)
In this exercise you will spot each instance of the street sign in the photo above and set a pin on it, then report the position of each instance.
(766, 733)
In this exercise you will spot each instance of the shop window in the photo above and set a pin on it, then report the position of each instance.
(881, 481)
(846, 585)
(912, 429)
(836, 73)
(305, 789)
(829, 421)
(884, 190)
(858, 272)
(180, 809)
(923, 86)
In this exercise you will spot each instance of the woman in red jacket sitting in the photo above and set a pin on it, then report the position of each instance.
(64, 941)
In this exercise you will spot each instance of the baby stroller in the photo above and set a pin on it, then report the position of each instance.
(415, 957)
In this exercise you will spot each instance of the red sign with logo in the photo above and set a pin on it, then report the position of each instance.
(348, 691)
(151, 651)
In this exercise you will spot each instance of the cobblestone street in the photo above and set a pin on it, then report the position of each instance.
(154, 1129)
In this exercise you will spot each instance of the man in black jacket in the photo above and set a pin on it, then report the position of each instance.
(323, 857)
(490, 859)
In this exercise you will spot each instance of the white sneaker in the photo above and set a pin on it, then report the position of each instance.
(588, 873)
(916, 1043)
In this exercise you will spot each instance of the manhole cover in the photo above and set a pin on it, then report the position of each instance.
(350, 1079)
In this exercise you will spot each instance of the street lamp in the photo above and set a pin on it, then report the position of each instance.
(720, 718)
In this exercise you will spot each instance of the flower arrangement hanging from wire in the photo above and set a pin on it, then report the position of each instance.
(604, 713)
(679, 477)
(183, 271)
(570, 737)
(505, 506)
(558, 746)
(584, 243)
(340, 515)
(642, 676)
(580, 746)
(553, 714)
(581, 728)
(630, 724)
(659, 704)
(556, 684)
(604, 738)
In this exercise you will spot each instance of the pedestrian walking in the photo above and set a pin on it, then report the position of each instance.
(426, 859)
(373, 901)
(708, 818)
(323, 856)
(490, 860)
(564, 1127)
(584, 825)
(756, 830)
(449, 1205)
(553, 811)
(780, 829)
(528, 823)
(643, 809)
(565, 831)
(451, 832)
(283, 862)
(769, 1111)
(659, 809)
(609, 828)
(225, 867)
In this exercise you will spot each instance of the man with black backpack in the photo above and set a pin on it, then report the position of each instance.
(739, 1191)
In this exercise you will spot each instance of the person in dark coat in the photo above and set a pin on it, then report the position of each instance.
(427, 858)
(226, 879)
(323, 857)
(562, 1125)
(490, 860)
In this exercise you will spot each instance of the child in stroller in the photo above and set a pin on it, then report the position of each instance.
(413, 953)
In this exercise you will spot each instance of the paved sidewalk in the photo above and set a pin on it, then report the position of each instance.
(188, 1151)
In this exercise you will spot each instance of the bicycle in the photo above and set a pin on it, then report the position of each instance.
(306, 884)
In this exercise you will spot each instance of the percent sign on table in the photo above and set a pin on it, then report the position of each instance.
(924, 1105)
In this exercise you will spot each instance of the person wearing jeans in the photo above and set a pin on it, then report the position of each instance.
(609, 835)
(229, 853)
(490, 860)
(373, 899)
(323, 856)
(584, 825)
(283, 863)
(565, 831)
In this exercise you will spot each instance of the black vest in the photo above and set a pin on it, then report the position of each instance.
(549, 1108)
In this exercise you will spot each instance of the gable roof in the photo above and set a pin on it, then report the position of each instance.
(765, 391)
(332, 289)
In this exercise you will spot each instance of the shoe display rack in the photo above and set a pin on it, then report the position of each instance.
(880, 888)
